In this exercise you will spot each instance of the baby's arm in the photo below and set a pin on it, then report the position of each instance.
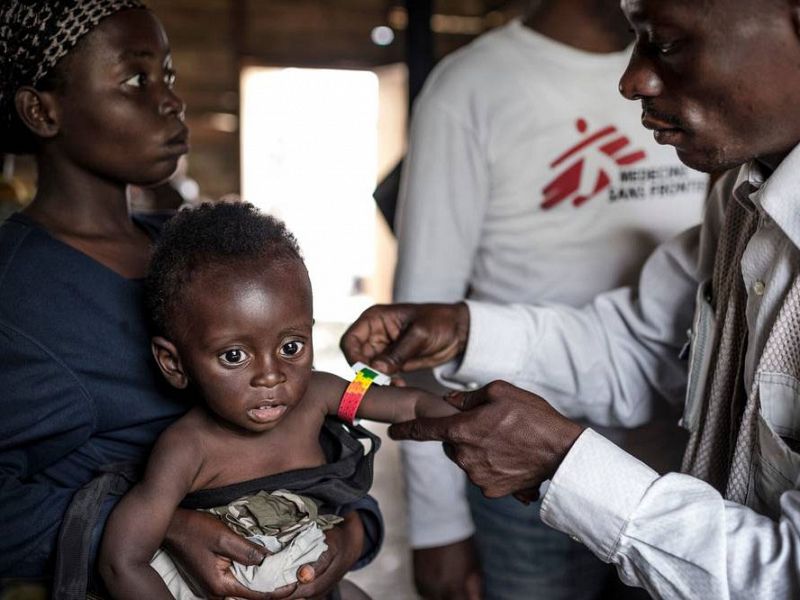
(386, 404)
(138, 524)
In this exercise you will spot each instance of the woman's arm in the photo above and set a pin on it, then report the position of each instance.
(46, 416)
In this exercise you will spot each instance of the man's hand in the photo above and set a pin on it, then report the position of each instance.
(448, 572)
(203, 549)
(395, 338)
(507, 440)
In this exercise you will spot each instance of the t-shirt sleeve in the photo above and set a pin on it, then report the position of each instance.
(444, 195)
(46, 415)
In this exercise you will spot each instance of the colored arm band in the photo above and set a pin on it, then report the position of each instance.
(354, 394)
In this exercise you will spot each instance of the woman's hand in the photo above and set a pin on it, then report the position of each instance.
(203, 548)
(345, 546)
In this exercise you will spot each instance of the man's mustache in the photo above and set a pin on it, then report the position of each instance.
(650, 110)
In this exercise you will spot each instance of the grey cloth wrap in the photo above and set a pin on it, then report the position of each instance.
(36, 34)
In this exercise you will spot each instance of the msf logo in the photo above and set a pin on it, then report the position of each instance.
(589, 166)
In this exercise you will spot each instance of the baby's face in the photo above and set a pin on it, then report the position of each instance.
(246, 341)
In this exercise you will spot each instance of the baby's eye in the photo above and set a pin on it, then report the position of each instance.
(138, 81)
(292, 348)
(234, 356)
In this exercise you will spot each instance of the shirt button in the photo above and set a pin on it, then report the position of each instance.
(759, 287)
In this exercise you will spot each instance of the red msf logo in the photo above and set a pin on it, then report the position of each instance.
(588, 166)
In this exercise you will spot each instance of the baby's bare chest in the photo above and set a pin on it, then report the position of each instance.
(234, 460)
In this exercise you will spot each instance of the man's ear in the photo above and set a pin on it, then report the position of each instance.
(169, 361)
(37, 110)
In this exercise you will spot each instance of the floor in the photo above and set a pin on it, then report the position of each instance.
(389, 576)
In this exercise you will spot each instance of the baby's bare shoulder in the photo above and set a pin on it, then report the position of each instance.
(183, 437)
(325, 390)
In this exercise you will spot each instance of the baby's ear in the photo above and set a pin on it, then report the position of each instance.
(37, 110)
(169, 361)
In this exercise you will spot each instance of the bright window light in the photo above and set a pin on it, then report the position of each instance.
(309, 157)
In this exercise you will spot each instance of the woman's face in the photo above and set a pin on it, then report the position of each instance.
(118, 115)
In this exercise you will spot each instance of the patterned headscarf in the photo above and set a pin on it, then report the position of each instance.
(35, 35)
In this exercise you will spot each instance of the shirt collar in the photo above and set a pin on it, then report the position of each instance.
(777, 195)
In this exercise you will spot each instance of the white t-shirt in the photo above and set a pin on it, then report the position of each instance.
(529, 178)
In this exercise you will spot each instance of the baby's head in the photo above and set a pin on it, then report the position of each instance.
(230, 302)
(89, 83)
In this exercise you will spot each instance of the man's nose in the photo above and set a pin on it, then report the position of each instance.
(640, 80)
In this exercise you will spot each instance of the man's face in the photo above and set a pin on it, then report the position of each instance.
(718, 79)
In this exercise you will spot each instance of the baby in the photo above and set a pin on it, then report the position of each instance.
(231, 305)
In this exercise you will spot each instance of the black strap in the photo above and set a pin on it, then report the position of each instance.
(71, 577)
(345, 478)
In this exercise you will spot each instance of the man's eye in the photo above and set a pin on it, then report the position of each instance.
(234, 356)
(663, 46)
(666, 48)
(138, 81)
(292, 348)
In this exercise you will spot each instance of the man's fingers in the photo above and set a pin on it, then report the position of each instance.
(472, 586)
(376, 328)
(422, 430)
(467, 400)
(355, 342)
(449, 451)
(409, 344)
(399, 381)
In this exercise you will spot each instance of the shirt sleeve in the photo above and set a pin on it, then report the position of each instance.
(444, 194)
(613, 359)
(46, 415)
(608, 361)
(673, 535)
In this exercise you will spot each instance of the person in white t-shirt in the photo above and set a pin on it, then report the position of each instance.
(528, 179)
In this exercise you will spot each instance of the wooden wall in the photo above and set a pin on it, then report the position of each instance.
(213, 39)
